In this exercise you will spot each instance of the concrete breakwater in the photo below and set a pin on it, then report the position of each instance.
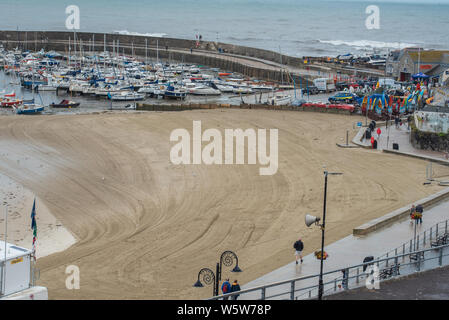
(252, 62)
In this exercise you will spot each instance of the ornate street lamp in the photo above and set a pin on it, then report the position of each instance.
(208, 277)
(310, 220)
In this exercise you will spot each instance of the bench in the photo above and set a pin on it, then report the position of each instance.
(390, 271)
(440, 241)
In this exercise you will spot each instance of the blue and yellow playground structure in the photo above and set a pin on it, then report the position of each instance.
(381, 103)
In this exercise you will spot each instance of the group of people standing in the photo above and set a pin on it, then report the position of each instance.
(226, 287)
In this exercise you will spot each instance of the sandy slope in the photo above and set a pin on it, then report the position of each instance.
(146, 227)
(52, 236)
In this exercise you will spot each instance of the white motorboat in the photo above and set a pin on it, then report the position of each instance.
(224, 88)
(257, 87)
(127, 96)
(280, 100)
(44, 87)
(204, 91)
(242, 90)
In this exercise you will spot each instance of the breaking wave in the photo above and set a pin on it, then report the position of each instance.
(128, 33)
(369, 43)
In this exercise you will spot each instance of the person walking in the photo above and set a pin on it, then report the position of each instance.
(226, 288)
(419, 210)
(412, 210)
(234, 288)
(299, 246)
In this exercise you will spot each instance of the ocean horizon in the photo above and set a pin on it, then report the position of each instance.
(292, 27)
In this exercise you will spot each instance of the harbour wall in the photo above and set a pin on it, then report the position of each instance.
(184, 107)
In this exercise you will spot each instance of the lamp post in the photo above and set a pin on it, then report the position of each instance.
(209, 277)
(310, 220)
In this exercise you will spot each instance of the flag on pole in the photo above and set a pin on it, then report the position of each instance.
(34, 227)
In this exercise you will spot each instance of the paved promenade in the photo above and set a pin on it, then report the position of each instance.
(351, 250)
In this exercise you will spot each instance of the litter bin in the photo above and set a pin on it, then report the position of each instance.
(368, 134)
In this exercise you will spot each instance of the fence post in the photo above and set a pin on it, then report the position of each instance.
(445, 227)
(346, 286)
(440, 258)
(386, 263)
(292, 292)
(417, 242)
(263, 293)
(418, 262)
(403, 251)
(335, 285)
(357, 279)
(424, 239)
(410, 246)
(396, 266)
(430, 237)
(310, 294)
(436, 231)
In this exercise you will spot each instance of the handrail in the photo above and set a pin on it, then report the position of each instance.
(275, 284)
(421, 236)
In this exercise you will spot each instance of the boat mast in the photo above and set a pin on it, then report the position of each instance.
(104, 50)
(69, 53)
(6, 235)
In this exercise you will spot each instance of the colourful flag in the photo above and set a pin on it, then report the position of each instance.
(34, 227)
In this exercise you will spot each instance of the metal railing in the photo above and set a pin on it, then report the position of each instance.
(307, 287)
(422, 239)
(2, 289)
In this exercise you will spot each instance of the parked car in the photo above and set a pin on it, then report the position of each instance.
(344, 97)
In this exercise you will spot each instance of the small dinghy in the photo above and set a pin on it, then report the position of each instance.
(65, 104)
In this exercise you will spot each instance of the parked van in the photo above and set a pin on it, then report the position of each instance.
(324, 84)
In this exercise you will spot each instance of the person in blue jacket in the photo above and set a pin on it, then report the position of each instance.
(226, 288)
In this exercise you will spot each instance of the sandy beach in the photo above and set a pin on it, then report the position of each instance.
(52, 236)
(145, 227)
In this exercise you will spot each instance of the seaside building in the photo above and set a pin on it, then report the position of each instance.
(17, 274)
(402, 64)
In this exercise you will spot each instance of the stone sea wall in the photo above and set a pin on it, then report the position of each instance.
(167, 107)
(428, 140)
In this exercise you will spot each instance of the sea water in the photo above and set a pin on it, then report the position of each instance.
(292, 27)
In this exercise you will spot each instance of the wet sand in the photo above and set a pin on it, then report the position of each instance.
(145, 227)
(51, 235)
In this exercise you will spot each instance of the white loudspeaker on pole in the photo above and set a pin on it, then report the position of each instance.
(311, 220)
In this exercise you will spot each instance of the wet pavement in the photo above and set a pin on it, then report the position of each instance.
(351, 250)
(348, 251)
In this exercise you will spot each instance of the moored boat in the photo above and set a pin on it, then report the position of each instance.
(29, 108)
(65, 104)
